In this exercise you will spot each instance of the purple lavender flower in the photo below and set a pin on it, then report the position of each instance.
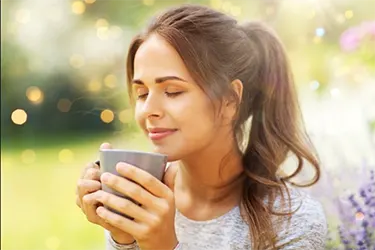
(357, 217)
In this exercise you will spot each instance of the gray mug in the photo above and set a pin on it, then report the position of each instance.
(152, 163)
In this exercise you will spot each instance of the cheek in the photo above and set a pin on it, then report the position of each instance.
(197, 120)
(138, 116)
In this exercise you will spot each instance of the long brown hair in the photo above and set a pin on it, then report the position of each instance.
(217, 50)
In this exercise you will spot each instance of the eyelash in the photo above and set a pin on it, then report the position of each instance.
(171, 95)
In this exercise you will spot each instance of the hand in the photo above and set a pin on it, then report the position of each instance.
(153, 224)
(87, 186)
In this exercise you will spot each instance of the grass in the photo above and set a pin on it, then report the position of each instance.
(38, 208)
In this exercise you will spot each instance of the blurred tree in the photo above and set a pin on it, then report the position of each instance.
(81, 68)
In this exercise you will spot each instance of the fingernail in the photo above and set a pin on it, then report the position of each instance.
(100, 211)
(105, 177)
(122, 166)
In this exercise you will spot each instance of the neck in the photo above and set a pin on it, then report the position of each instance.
(212, 175)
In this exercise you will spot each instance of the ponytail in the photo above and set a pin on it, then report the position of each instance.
(276, 130)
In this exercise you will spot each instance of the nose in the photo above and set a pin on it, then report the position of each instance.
(152, 107)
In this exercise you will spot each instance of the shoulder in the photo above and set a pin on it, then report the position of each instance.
(306, 228)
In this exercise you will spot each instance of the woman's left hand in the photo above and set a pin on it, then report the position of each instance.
(153, 224)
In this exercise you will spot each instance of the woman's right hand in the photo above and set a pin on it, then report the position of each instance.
(87, 185)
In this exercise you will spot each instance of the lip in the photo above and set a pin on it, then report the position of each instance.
(159, 133)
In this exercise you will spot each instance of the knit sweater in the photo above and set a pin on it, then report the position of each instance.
(306, 229)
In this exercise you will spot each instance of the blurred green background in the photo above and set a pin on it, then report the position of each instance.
(63, 93)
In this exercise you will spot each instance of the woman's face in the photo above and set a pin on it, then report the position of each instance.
(171, 109)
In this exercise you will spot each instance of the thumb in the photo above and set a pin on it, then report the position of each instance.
(105, 145)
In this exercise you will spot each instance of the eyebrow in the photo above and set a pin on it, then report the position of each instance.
(160, 79)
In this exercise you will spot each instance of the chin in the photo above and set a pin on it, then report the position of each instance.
(172, 153)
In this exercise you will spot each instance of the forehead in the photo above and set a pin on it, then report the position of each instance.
(157, 58)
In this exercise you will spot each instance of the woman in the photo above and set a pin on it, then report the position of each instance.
(218, 98)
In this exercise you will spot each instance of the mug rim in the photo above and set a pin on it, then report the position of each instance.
(131, 151)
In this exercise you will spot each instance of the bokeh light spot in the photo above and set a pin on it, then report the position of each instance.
(320, 32)
(101, 22)
(110, 81)
(359, 216)
(53, 243)
(94, 86)
(66, 156)
(64, 105)
(335, 92)
(349, 14)
(107, 116)
(19, 116)
(126, 116)
(34, 94)
(115, 32)
(102, 33)
(314, 85)
(28, 156)
(78, 7)
(90, 1)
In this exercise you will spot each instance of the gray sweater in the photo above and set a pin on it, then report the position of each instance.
(307, 229)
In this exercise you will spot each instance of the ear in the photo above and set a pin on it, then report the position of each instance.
(237, 86)
(230, 105)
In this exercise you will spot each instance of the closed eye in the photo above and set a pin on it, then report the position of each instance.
(141, 97)
(169, 94)
(173, 94)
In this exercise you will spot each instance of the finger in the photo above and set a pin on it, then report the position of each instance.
(123, 206)
(90, 211)
(78, 202)
(143, 178)
(130, 189)
(89, 166)
(89, 206)
(120, 222)
(92, 174)
(105, 145)
(108, 226)
(87, 186)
